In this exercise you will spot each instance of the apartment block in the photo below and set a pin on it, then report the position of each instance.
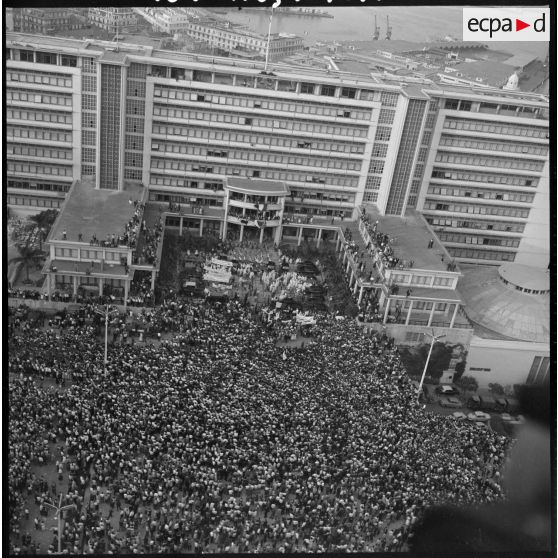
(113, 19)
(485, 187)
(185, 125)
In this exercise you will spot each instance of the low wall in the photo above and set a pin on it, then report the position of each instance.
(416, 335)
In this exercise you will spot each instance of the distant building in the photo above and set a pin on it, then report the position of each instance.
(113, 20)
(229, 38)
(474, 162)
(48, 21)
(165, 20)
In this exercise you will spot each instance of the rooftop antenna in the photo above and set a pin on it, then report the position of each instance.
(376, 35)
(388, 31)
(268, 39)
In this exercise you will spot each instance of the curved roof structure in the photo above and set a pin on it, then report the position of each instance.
(500, 306)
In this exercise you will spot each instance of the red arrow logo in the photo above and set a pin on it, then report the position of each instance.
(519, 25)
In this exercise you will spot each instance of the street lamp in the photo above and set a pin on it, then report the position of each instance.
(434, 339)
(59, 509)
(106, 313)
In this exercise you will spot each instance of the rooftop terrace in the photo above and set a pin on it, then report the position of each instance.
(88, 211)
(411, 236)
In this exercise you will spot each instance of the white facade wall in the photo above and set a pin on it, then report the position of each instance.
(502, 362)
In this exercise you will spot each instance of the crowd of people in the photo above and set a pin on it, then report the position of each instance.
(217, 439)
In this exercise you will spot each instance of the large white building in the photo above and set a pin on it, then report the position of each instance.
(166, 20)
(475, 163)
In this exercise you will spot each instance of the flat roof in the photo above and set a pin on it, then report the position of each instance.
(255, 186)
(411, 236)
(90, 211)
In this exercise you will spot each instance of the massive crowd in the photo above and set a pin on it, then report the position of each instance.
(217, 439)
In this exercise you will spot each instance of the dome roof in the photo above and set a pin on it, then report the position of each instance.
(501, 304)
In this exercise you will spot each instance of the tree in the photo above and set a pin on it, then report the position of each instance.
(468, 383)
(28, 256)
(44, 221)
(414, 359)
(496, 389)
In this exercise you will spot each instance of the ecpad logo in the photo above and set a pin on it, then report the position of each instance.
(506, 24)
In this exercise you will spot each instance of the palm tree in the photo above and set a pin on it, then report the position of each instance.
(28, 255)
(44, 221)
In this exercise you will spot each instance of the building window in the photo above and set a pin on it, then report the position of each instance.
(26, 55)
(451, 104)
(348, 92)
(327, 90)
(69, 61)
(46, 58)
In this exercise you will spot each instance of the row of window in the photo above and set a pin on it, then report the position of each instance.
(39, 116)
(486, 145)
(34, 202)
(14, 166)
(479, 210)
(485, 241)
(309, 195)
(412, 279)
(239, 155)
(477, 254)
(508, 179)
(481, 194)
(264, 104)
(132, 174)
(376, 166)
(33, 151)
(499, 162)
(332, 180)
(224, 135)
(495, 108)
(35, 97)
(29, 76)
(87, 254)
(40, 186)
(185, 183)
(474, 224)
(496, 128)
(38, 134)
(186, 198)
(88, 119)
(289, 125)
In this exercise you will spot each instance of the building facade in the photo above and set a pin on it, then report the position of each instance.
(184, 125)
(165, 20)
(45, 21)
(228, 38)
(485, 187)
(113, 20)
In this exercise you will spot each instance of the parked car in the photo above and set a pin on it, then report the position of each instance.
(507, 405)
(481, 403)
(452, 402)
(444, 389)
(506, 417)
(458, 415)
(479, 416)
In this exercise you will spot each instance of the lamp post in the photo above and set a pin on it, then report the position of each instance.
(59, 509)
(434, 339)
(106, 313)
